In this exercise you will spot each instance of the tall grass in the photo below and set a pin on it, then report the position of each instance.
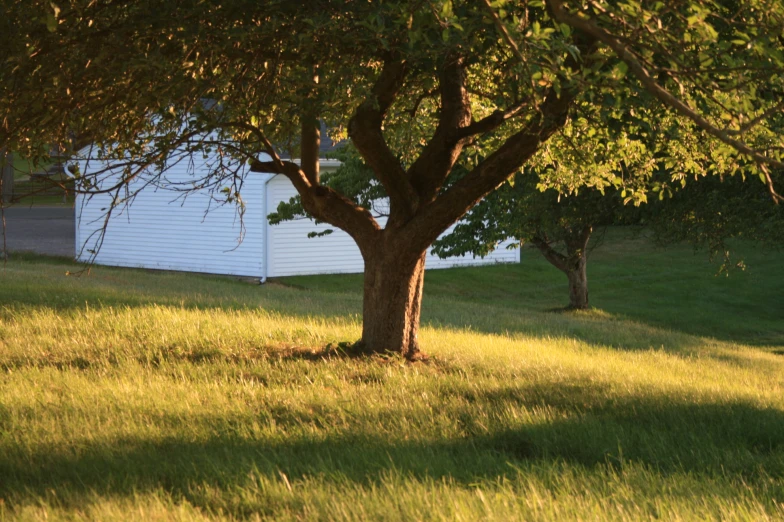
(139, 395)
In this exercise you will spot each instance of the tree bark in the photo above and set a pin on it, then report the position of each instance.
(7, 164)
(573, 264)
(392, 301)
(576, 264)
(578, 282)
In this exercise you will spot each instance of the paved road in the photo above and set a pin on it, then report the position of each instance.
(45, 230)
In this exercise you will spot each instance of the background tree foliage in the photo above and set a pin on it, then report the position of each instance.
(559, 226)
(717, 209)
(581, 180)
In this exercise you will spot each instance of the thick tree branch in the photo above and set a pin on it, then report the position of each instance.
(310, 146)
(557, 259)
(324, 203)
(644, 76)
(365, 131)
(434, 164)
(577, 242)
(310, 137)
(332, 207)
(451, 205)
(286, 168)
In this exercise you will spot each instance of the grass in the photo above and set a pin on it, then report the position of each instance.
(147, 395)
(29, 193)
(23, 168)
(40, 193)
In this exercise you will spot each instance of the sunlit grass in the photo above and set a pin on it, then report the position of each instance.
(138, 395)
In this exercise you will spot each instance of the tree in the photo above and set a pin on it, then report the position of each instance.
(706, 212)
(7, 179)
(559, 226)
(416, 85)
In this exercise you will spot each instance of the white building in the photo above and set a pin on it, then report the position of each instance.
(195, 232)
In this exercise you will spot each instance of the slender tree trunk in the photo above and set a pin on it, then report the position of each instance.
(576, 263)
(573, 264)
(578, 282)
(7, 164)
(392, 302)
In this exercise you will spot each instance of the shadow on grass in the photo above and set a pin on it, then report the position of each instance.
(735, 442)
(158, 358)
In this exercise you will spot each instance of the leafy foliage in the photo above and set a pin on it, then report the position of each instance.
(709, 213)
(520, 210)
(117, 75)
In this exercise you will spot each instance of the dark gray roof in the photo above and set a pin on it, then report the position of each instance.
(327, 145)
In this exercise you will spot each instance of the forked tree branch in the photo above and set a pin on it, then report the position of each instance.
(325, 203)
(451, 205)
(428, 173)
(555, 258)
(365, 131)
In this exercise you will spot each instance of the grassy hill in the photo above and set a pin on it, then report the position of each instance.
(130, 394)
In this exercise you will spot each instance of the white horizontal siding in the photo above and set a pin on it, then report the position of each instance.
(291, 252)
(500, 255)
(160, 229)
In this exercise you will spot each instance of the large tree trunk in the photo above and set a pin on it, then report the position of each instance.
(392, 302)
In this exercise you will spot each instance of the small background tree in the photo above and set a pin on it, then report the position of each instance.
(558, 225)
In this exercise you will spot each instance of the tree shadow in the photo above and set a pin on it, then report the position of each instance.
(241, 360)
(589, 429)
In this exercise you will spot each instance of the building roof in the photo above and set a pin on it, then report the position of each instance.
(327, 145)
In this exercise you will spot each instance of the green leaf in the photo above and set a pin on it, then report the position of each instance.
(51, 22)
(620, 69)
